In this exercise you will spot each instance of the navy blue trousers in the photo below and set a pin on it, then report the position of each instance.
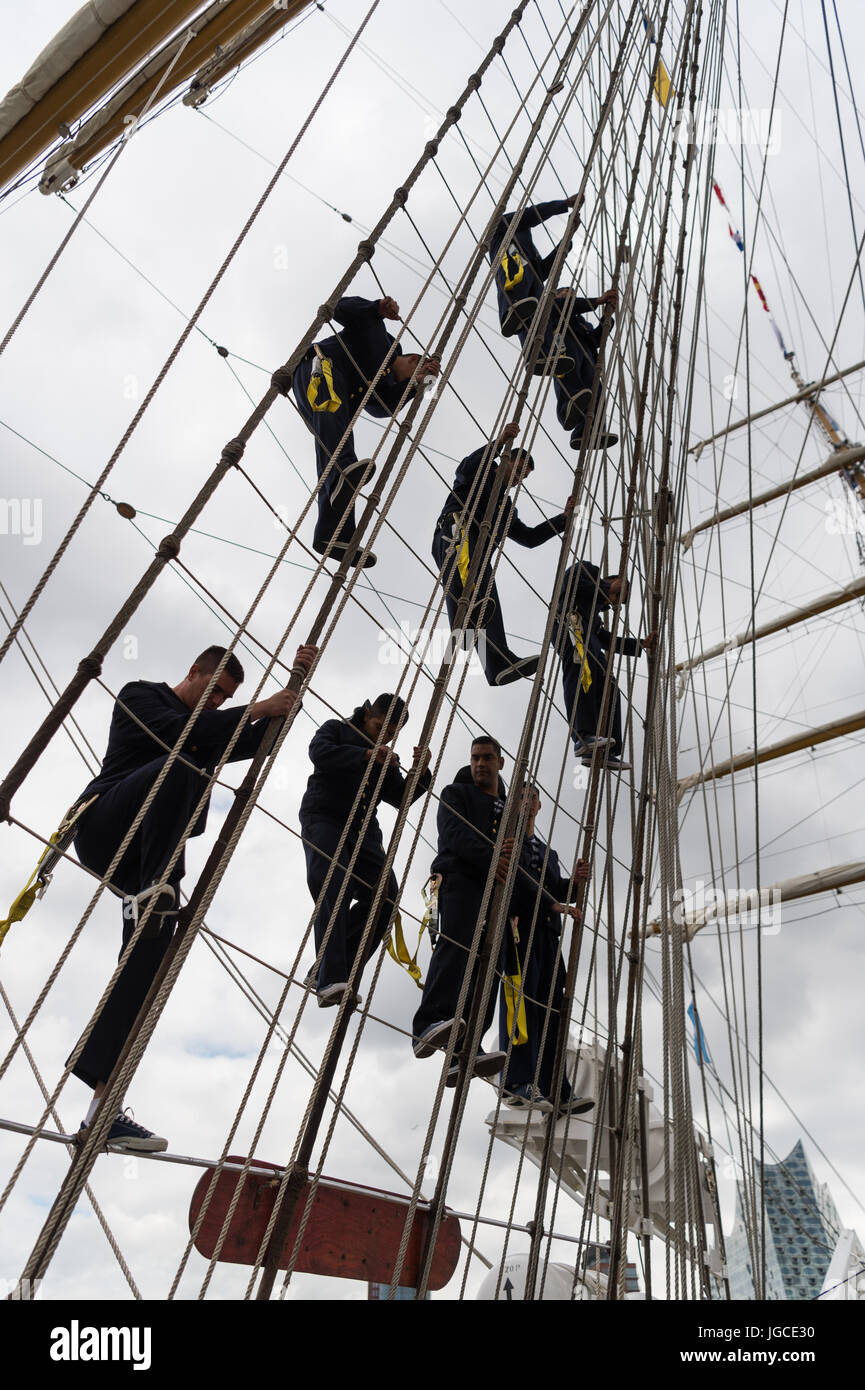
(102, 828)
(544, 965)
(328, 427)
(459, 901)
(588, 703)
(492, 644)
(351, 917)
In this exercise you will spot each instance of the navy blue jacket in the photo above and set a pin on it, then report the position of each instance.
(163, 713)
(507, 524)
(522, 235)
(554, 889)
(338, 754)
(590, 606)
(365, 341)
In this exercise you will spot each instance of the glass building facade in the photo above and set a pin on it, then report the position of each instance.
(802, 1229)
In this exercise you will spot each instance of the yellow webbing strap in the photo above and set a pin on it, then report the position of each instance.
(575, 623)
(512, 265)
(396, 947)
(41, 875)
(463, 553)
(322, 371)
(513, 991)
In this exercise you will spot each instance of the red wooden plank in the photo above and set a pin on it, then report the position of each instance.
(352, 1232)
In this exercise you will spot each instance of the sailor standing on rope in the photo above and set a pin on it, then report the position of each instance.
(584, 644)
(469, 813)
(147, 711)
(328, 385)
(456, 540)
(345, 759)
(533, 962)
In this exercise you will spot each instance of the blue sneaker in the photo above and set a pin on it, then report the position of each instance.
(126, 1134)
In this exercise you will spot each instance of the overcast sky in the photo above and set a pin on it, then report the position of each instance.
(74, 376)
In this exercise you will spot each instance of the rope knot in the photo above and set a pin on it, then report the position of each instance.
(499, 43)
(282, 379)
(400, 196)
(474, 81)
(454, 113)
(90, 666)
(325, 311)
(233, 452)
(431, 148)
(366, 249)
(169, 548)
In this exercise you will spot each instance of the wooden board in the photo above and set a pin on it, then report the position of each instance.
(352, 1232)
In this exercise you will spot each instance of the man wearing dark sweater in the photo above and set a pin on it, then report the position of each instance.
(458, 534)
(585, 646)
(150, 718)
(534, 967)
(346, 769)
(469, 815)
(329, 384)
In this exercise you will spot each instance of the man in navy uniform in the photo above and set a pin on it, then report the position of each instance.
(329, 384)
(533, 958)
(345, 760)
(521, 274)
(584, 643)
(469, 815)
(148, 717)
(573, 387)
(456, 539)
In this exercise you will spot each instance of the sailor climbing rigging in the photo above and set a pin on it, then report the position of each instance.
(147, 717)
(329, 386)
(464, 557)
(584, 644)
(346, 761)
(533, 987)
(469, 815)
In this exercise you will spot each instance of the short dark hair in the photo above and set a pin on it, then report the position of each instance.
(210, 659)
(488, 738)
(380, 705)
(522, 454)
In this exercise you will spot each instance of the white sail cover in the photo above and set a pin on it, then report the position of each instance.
(82, 31)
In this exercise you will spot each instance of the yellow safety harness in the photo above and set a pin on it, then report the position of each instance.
(40, 878)
(396, 947)
(514, 999)
(512, 265)
(575, 625)
(322, 375)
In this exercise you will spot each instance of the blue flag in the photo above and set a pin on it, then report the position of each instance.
(701, 1050)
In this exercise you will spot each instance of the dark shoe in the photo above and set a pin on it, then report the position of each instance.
(560, 363)
(526, 666)
(338, 549)
(574, 1105)
(519, 316)
(437, 1036)
(486, 1064)
(329, 996)
(352, 478)
(526, 1098)
(585, 745)
(126, 1134)
(600, 441)
(576, 408)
